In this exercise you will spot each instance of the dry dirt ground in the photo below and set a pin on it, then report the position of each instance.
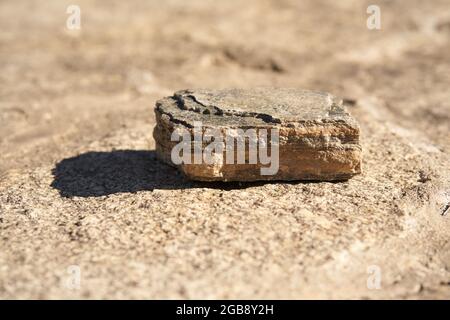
(80, 185)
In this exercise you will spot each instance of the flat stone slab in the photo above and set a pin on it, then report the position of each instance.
(310, 135)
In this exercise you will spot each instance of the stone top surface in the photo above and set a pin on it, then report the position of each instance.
(254, 106)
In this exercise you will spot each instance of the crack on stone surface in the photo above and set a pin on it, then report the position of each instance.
(214, 110)
(171, 117)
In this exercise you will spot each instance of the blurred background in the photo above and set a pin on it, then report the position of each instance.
(62, 88)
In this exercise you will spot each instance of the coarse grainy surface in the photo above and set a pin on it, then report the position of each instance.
(80, 184)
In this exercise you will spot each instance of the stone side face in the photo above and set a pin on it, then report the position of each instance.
(318, 139)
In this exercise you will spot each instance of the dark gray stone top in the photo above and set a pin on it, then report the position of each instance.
(253, 107)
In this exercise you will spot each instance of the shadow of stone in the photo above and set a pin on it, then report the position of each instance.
(96, 174)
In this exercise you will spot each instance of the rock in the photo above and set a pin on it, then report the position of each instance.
(309, 134)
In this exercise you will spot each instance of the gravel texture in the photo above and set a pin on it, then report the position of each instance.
(81, 189)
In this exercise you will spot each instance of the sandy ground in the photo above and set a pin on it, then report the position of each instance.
(81, 192)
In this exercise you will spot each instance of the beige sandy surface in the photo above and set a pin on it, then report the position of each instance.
(80, 185)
